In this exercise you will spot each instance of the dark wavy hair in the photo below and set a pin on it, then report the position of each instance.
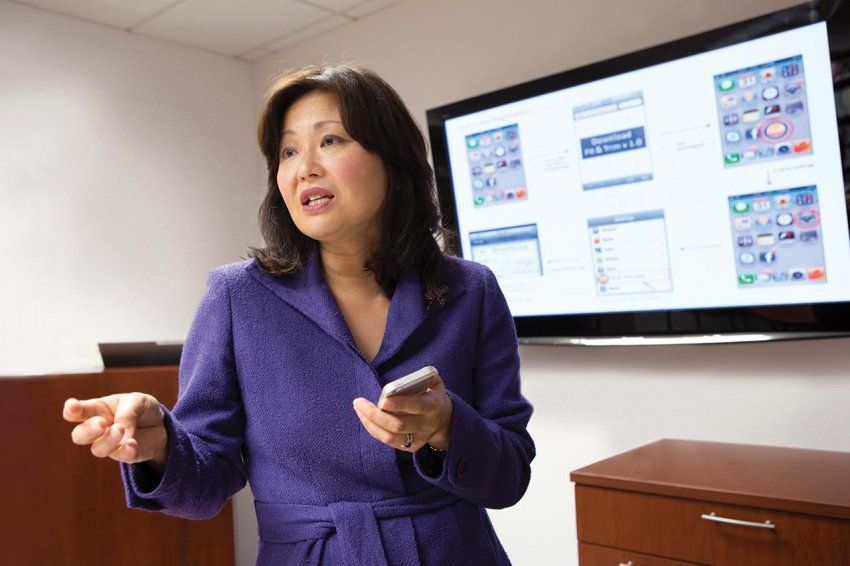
(375, 116)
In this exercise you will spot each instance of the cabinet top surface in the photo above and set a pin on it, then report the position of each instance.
(808, 481)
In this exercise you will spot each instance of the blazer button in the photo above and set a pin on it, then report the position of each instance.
(461, 468)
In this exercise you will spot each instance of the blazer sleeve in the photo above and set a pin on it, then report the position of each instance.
(489, 456)
(205, 428)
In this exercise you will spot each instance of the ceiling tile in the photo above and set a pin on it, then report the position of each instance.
(254, 54)
(229, 27)
(337, 5)
(314, 30)
(116, 13)
(370, 6)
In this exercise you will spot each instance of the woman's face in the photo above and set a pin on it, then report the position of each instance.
(331, 185)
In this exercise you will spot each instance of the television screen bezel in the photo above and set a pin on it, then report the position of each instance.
(772, 321)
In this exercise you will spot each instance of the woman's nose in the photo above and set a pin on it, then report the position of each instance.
(309, 165)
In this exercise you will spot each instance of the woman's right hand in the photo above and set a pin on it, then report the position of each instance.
(127, 427)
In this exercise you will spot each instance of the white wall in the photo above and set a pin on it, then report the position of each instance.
(127, 169)
(593, 402)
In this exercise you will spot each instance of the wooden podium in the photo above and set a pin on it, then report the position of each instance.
(61, 505)
(691, 502)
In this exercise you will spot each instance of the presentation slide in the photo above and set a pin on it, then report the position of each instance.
(710, 181)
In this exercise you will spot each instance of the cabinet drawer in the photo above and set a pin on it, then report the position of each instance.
(651, 524)
(592, 555)
(794, 539)
(674, 528)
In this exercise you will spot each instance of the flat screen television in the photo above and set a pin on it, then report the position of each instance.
(692, 191)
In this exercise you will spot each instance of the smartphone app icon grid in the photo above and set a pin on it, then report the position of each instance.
(763, 113)
(777, 238)
(496, 166)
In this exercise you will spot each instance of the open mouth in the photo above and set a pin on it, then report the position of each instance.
(317, 203)
(316, 199)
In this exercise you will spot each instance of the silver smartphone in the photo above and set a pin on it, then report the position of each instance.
(411, 384)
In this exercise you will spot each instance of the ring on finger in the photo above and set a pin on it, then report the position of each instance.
(408, 441)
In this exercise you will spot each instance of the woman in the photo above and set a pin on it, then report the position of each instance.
(289, 349)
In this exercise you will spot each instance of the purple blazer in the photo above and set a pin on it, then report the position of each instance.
(267, 377)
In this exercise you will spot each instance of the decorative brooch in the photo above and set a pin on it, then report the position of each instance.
(436, 293)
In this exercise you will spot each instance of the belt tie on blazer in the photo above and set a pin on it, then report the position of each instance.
(356, 523)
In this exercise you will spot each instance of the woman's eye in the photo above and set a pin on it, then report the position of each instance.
(328, 140)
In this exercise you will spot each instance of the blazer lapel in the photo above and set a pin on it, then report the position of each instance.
(409, 309)
(309, 294)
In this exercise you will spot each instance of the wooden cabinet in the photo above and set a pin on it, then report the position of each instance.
(694, 502)
(62, 506)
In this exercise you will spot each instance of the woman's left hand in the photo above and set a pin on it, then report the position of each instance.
(428, 417)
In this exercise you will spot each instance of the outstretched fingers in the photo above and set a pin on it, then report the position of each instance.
(127, 427)
(77, 411)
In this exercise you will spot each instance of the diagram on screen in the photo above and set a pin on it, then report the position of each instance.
(763, 113)
(496, 166)
(612, 136)
(630, 253)
(777, 237)
(508, 251)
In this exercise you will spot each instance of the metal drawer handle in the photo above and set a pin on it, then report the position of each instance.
(713, 517)
(629, 563)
